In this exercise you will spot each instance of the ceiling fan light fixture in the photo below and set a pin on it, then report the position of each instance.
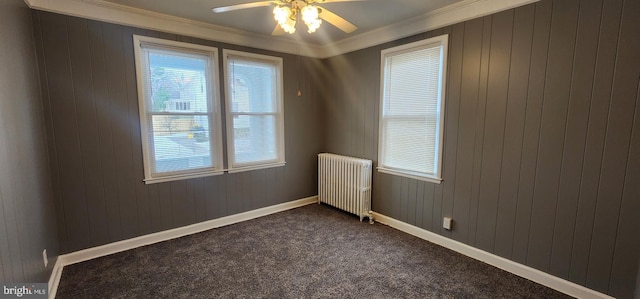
(289, 26)
(310, 16)
(287, 12)
(281, 14)
(314, 26)
(285, 18)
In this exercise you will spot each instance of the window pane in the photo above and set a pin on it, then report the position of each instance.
(178, 82)
(255, 138)
(411, 82)
(253, 86)
(412, 108)
(180, 143)
(410, 144)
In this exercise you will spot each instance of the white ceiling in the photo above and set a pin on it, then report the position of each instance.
(366, 15)
(378, 21)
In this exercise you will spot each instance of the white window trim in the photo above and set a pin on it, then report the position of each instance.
(441, 40)
(280, 161)
(215, 122)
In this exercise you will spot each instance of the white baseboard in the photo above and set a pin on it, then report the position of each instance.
(111, 248)
(54, 280)
(527, 272)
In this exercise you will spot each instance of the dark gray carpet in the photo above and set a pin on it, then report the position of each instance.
(310, 252)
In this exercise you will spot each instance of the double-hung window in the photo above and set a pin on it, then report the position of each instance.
(254, 112)
(412, 109)
(179, 109)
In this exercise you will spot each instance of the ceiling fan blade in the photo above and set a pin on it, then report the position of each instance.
(337, 21)
(242, 6)
(278, 30)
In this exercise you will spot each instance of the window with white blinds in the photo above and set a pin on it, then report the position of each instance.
(179, 109)
(412, 109)
(254, 112)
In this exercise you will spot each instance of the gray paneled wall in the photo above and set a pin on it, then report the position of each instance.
(637, 296)
(542, 138)
(27, 217)
(91, 105)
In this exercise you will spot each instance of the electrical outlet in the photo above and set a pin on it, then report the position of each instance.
(44, 258)
(446, 223)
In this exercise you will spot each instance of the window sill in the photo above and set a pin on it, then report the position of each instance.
(255, 167)
(170, 178)
(411, 175)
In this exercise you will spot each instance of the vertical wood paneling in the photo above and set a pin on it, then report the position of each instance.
(575, 136)
(86, 54)
(50, 137)
(27, 214)
(234, 193)
(8, 233)
(419, 201)
(539, 53)
(452, 111)
(5, 257)
(271, 183)
(384, 190)
(427, 213)
(154, 207)
(211, 208)
(627, 241)
(80, 55)
(627, 246)
(497, 89)
(199, 198)
(395, 196)
(479, 129)
(596, 134)
(552, 129)
(282, 184)
(404, 198)
(121, 125)
(65, 126)
(3, 238)
(105, 211)
(181, 204)
(411, 203)
(466, 126)
(11, 250)
(246, 192)
(216, 201)
(104, 113)
(258, 188)
(616, 151)
(514, 126)
(166, 209)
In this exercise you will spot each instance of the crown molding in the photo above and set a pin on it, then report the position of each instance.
(445, 16)
(125, 15)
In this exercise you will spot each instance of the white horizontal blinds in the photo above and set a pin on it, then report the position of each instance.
(254, 98)
(410, 116)
(178, 110)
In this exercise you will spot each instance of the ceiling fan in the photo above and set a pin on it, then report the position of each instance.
(288, 12)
